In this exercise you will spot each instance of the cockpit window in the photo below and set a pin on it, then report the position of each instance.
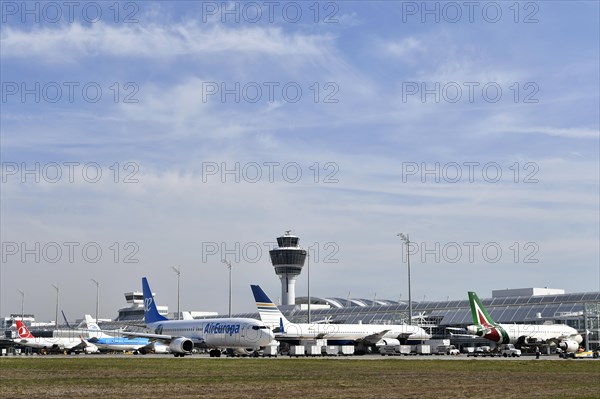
(260, 327)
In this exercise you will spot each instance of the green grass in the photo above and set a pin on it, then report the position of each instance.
(86, 376)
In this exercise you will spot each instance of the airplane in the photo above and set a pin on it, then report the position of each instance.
(52, 344)
(106, 342)
(182, 336)
(365, 335)
(565, 337)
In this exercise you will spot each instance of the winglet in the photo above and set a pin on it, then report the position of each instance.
(151, 314)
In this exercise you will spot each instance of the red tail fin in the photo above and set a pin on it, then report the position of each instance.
(23, 331)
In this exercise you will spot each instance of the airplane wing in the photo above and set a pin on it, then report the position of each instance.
(461, 332)
(156, 337)
(164, 338)
(374, 338)
(80, 346)
(463, 335)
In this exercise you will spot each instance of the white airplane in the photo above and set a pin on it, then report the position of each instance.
(362, 334)
(108, 342)
(182, 336)
(53, 344)
(565, 337)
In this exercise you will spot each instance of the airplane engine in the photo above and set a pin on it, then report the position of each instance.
(90, 348)
(181, 346)
(388, 341)
(569, 346)
(245, 351)
(161, 348)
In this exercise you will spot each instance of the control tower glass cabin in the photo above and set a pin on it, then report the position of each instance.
(288, 259)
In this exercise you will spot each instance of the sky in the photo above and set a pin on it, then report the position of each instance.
(141, 136)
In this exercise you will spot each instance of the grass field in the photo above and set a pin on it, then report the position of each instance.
(137, 377)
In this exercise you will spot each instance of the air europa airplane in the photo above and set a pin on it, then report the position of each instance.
(565, 337)
(182, 336)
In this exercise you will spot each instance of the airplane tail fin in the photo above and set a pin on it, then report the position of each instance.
(93, 330)
(269, 312)
(480, 315)
(89, 320)
(22, 330)
(151, 314)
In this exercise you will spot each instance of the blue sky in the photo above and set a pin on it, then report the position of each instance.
(369, 131)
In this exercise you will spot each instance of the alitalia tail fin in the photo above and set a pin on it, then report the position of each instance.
(269, 312)
(480, 315)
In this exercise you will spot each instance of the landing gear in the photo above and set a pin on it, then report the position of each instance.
(179, 354)
(214, 353)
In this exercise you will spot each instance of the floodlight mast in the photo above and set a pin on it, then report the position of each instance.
(56, 315)
(97, 296)
(406, 240)
(22, 305)
(228, 265)
(177, 271)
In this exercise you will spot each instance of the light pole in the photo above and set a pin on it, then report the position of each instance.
(22, 306)
(228, 265)
(407, 242)
(56, 315)
(177, 271)
(97, 296)
(308, 269)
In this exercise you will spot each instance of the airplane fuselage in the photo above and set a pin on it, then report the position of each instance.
(51, 343)
(351, 332)
(217, 333)
(525, 333)
(120, 344)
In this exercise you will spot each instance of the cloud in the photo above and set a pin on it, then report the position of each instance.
(403, 47)
(71, 42)
(572, 132)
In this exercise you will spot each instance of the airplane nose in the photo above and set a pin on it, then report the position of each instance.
(267, 337)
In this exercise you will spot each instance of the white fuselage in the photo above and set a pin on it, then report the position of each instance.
(217, 333)
(120, 344)
(49, 343)
(519, 333)
(351, 332)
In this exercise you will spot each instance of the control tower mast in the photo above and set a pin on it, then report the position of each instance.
(288, 260)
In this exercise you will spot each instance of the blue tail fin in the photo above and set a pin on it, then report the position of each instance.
(151, 314)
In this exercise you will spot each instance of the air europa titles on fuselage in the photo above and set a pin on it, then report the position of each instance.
(220, 328)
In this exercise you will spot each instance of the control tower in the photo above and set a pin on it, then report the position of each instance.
(288, 260)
